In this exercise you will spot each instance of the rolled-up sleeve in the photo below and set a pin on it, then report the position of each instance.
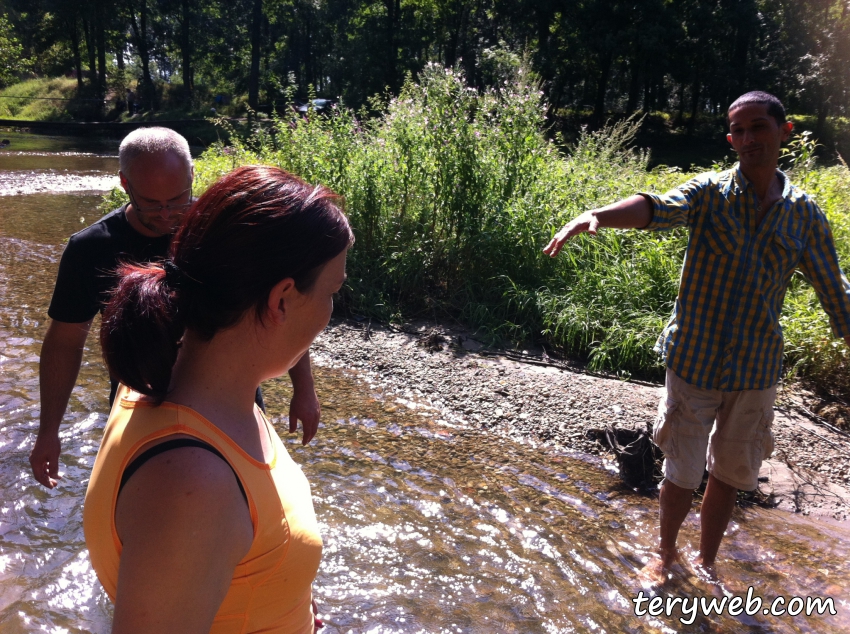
(819, 263)
(677, 207)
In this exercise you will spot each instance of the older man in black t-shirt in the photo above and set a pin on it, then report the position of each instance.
(156, 172)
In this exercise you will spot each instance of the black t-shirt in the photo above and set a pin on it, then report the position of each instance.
(89, 262)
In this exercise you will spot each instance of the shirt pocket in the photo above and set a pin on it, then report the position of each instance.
(722, 233)
(783, 254)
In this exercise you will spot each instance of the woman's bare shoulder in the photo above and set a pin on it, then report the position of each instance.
(184, 526)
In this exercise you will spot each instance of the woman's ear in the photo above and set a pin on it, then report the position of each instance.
(280, 299)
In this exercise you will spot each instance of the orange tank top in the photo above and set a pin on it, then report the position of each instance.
(271, 586)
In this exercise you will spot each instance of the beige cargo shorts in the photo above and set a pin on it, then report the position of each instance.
(727, 432)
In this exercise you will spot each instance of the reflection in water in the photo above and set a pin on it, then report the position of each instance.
(36, 144)
(22, 172)
(427, 528)
(33, 164)
(47, 219)
(15, 184)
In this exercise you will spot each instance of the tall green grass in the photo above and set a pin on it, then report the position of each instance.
(810, 348)
(16, 101)
(453, 194)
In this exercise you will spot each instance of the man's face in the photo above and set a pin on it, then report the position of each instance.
(756, 136)
(160, 187)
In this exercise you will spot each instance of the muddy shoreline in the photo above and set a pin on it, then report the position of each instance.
(451, 377)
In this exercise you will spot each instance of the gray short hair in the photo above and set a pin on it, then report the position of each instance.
(153, 140)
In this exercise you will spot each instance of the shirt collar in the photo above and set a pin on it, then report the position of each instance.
(741, 183)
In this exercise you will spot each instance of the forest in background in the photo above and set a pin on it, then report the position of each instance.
(685, 58)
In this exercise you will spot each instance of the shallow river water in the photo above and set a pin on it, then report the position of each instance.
(427, 528)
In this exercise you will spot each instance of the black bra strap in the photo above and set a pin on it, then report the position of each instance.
(168, 445)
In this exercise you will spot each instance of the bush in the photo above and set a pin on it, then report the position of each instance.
(453, 193)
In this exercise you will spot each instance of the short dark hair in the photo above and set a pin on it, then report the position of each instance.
(774, 107)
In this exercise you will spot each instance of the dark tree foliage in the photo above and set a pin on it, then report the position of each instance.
(593, 57)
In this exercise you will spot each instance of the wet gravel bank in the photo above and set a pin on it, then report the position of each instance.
(451, 377)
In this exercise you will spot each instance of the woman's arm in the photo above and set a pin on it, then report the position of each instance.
(184, 526)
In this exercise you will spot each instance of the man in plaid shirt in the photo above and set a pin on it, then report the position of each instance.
(749, 229)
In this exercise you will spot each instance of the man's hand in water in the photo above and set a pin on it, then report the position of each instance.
(44, 459)
(305, 404)
(61, 355)
(306, 408)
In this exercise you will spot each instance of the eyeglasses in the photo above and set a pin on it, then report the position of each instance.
(170, 207)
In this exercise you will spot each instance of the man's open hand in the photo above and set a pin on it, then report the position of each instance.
(44, 459)
(306, 408)
(585, 223)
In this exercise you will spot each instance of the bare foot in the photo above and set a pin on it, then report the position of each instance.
(708, 574)
(659, 571)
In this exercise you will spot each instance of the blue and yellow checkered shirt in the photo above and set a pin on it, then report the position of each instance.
(724, 333)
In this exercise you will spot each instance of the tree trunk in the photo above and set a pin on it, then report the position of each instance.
(823, 113)
(307, 52)
(739, 60)
(254, 77)
(140, 31)
(601, 89)
(393, 12)
(635, 59)
(101, 52)
(680, 115)
(695, 96)
(555, 94)
(186, 52)
(634, 87)
(450, 55)
(75, 47)
(119, 55)
(91, 49)
(467, 50)
(265, 62)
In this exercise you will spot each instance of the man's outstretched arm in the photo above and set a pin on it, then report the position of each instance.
(61, 355)
(634, 212)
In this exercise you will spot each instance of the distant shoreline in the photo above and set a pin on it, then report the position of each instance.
(188, 127)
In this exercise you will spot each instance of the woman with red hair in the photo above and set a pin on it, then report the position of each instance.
(196, 518)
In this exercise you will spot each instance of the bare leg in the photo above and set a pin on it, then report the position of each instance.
(715, 513)
(675, 504)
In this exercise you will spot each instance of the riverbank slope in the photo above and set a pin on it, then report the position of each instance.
(451, 377)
